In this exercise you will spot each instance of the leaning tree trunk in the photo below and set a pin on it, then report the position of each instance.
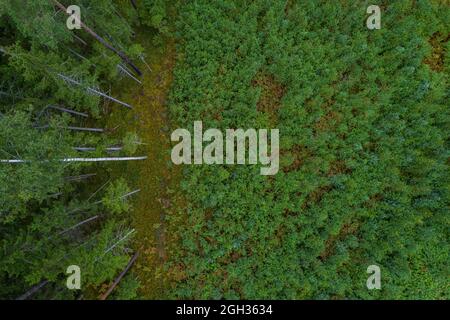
(80, 177)
(79, 39)
(94, 91)
(129, 194)
(111, 149)
(73, 128)
(81, 114)
(121, 275)
(122, 55)
(133, 3)
(119, 241)
(78, 224)
(80, 159)
(125, 71)
(33, 290)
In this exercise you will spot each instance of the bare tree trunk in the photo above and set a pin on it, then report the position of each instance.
(80, 177)
(80, 56)
(111, 149)
(74, 128)
(81, 114)
(78, 224)
(94, 91)
(119, 241)
(121, 275)
(55, 195)
(80, 159)
(121, 197)
(145, 62)
(133, 3)
(122, 55)
(128, 73)
(84, 129)
(79, 39)
(130, 193)
(33, 290)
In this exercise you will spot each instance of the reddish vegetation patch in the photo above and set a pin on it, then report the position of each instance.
(328, 121)
(347, 229)
(299, 155)
(373, 200)
(338, 167)
(315, 196)
(436, 60)
(271, 95)
(288, 7)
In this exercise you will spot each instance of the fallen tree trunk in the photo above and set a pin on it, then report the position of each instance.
(33, 290)
(93, 91)
(81, 114)
(80, 177)
(78, 224)
(110, 149)
(73, 128)
(125, 71)
(122, 55)
(80, 159)
(121, 275)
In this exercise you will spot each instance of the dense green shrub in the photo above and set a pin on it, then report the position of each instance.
(364, 144)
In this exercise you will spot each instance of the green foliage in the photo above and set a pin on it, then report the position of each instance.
(114, 199)
(364, 145)
(127, 289)
(131, 142)
(154, 14)
(363, 118)
(41, 28)
(38, 178)
(47, 221)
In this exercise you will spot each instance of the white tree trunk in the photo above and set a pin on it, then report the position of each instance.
(111, 149)
(81, 114)
(119, 241)
(78, 224)
(80, 177)
(80, 159)
(74, 128)
(33, 290)
(124, 70)
(94, 91)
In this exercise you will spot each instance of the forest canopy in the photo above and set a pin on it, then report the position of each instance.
(363, 117)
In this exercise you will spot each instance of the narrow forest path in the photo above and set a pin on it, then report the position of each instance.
(154, 176)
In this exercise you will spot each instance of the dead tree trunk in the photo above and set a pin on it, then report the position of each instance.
(74, 128)
(78, 224)
(81, 114)
(119, 241)
(125, 71)
(145, 62)
(33, 290)
(122, 55)
(121, 197)
(83, 149)
(79, 39)
(79, 159)
(133, 3)
(80, 177)
(94, 91)
(84, 129)
(121, 275)
(130, 193)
